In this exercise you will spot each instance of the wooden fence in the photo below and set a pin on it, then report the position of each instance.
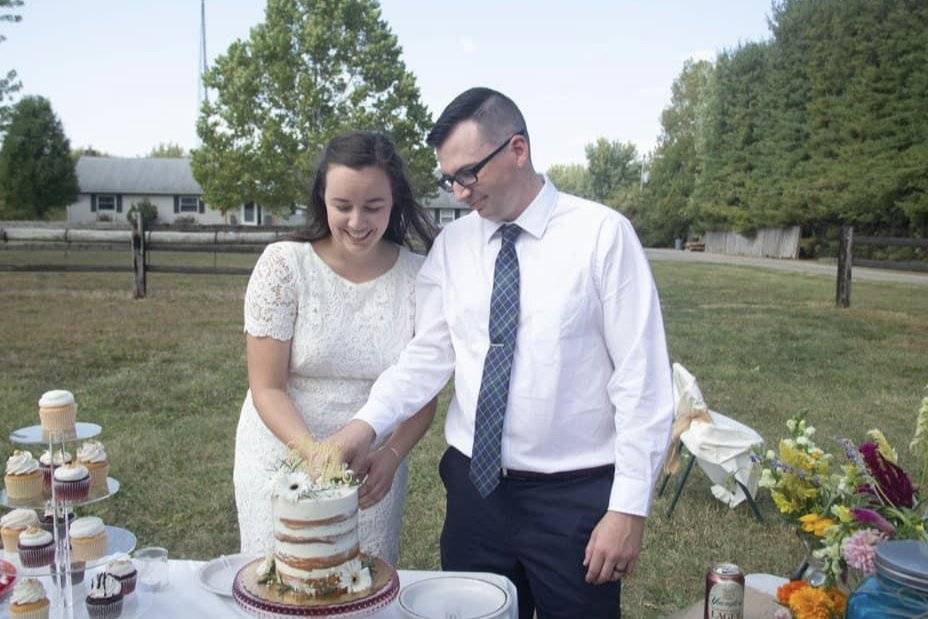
(139, 242)
(846, 243)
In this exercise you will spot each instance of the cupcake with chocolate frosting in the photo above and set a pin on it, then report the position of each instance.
(104, 600)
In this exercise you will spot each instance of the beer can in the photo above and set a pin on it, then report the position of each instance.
(724, 592)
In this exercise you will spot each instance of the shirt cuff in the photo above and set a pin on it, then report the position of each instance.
(630, 496)
(378, 417)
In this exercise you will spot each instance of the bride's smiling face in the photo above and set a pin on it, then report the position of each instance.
(357, 206)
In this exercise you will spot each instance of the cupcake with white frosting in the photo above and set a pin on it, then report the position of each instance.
(72, 482)
(104, 600)
(48, 463)
(23, 479)
(14, 523)
(88, 538)
(36, 547)
(58, 411)
(122, 568)
(47, 520)
(92, 454)
(29, 600)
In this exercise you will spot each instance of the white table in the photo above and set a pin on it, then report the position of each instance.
(185, 597)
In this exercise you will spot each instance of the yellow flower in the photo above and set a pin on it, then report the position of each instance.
(811, 603)
(814, 523)
(885, 448)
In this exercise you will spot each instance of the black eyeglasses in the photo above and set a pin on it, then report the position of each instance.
(466, 177)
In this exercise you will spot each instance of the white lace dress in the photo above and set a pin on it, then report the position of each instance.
(343, 335)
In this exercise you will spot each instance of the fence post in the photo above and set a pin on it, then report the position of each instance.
(138, 256)
(845, 259)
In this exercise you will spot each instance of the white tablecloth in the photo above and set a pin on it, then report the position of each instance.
(185, 597)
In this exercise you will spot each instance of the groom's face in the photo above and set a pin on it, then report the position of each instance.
(492, 195)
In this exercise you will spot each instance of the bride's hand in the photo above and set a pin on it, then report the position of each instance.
(383, 465)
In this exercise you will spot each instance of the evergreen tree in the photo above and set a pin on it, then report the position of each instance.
(36, 170)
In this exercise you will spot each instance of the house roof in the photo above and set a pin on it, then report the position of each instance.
(136, 176)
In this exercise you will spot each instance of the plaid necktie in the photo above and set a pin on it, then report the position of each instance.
(485, 464)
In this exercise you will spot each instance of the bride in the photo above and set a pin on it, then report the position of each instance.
(325, 314)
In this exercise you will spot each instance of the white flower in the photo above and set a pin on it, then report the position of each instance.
(789, 443)
(791, 425)
(292, 485)
(771, 454)
(276, 481)
(802, 440)
(766, 479)
(809, 431)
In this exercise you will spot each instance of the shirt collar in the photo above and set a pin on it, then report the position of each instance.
(534, 219)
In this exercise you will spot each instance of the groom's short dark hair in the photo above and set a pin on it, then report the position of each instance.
(495, 113)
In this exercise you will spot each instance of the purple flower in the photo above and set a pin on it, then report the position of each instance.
(894, 484)
(872, 518)
(859, 550)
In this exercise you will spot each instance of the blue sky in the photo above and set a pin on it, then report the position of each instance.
(122, 74)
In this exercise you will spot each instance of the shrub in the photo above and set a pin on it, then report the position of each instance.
(148, 211)
(103, 217)
(185, 220)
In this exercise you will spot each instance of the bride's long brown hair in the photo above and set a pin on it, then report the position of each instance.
(362, 149)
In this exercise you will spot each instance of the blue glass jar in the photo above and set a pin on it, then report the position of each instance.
(899, 588)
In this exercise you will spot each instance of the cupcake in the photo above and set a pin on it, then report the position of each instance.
(57, 411)
(122, 568)
(72, 482)
(23, 479)
(47, 521)
(92, 454)
(47, 465)
(104, 600)
(36, 547)
(29, 600)
(88, 539)
(14, 523)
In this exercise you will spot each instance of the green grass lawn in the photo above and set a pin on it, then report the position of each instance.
(165, 378)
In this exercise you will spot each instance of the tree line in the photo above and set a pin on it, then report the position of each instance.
(825, 123)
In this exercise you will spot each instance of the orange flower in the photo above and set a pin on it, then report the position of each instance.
(811, 603)
(839, 598)
(786, 591)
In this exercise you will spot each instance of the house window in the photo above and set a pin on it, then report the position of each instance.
(445, 216)
(188, 204)
(251, 214)
(106, 203)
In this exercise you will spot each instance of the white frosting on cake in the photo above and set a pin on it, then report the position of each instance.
(92, 451)
(33, 536)
(21, 463)
(61, 457)
(120, 565)
(316, 542)
(27, 591)
(19, 519)
(71, 472)
(56, 397)
(88, 526)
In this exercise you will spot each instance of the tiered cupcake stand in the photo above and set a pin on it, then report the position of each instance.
(118, 539)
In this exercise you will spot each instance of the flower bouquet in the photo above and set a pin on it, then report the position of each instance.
(842, 510)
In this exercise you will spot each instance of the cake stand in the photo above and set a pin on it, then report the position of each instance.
(265, 602)
(118, 539)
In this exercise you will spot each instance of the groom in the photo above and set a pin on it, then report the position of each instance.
(543, 307)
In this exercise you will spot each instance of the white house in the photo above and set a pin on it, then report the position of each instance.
(109, 186)
(445, 209)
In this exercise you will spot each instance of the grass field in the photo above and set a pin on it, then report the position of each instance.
(165, 378)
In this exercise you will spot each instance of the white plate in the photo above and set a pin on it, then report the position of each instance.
(454, 597)
(217, 575)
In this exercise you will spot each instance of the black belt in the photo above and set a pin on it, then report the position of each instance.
(594, 471)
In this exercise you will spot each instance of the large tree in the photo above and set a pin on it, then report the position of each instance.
(313, 69)
(612, 167)
(36, 169)
(8, 83)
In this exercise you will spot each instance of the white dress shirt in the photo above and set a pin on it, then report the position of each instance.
(590, 381)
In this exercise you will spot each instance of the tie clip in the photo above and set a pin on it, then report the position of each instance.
(495, 345)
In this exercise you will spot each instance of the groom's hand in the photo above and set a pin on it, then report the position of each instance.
(613, 549)
(355, 440)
